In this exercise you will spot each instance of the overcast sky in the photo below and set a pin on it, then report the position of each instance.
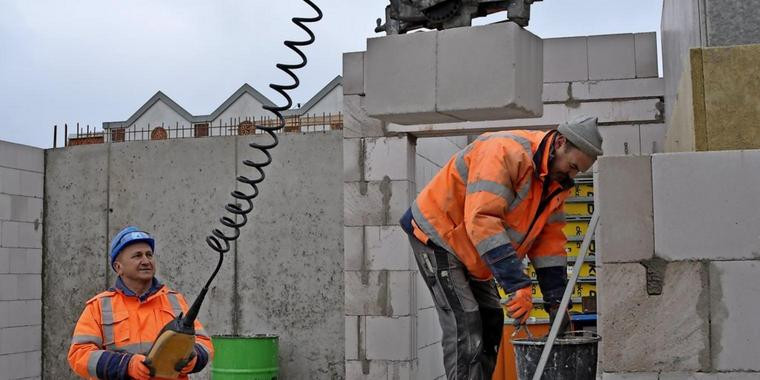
(90, 61)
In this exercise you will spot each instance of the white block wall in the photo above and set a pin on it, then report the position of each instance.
(21, 186)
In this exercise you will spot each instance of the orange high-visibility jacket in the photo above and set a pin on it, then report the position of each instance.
(488, 195)
(113, 326)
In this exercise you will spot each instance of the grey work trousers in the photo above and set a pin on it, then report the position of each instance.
(469, 312)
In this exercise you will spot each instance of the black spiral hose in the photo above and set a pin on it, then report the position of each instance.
(243, 205)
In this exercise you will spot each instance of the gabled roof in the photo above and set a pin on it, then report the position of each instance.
(244, 89)
(153, 100)
(337, 81)
(159, 96)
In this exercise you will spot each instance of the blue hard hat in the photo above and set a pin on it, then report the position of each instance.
(129, 235)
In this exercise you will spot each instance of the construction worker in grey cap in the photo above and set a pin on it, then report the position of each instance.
(495, 202)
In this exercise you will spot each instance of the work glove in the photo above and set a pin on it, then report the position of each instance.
(187, 365)
(137, 370)
(563, 326)
(519, 304)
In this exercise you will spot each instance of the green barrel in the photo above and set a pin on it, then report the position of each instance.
(245, 358)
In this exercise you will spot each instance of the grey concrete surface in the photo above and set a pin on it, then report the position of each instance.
(400, 78)
(176, 191)
(704, 205)
(356, 122)
(626, 224)
(491, 72)
(646, 54)
(734, 289)
(290, 277)
(21, 224)
(645, 333)
(732, 22)
(353, 73)
(620, 140)
(683, 27)
(382, 156)
(611, 57)
(439, 77)
(75, 245)
(565, 59)
(376, 203)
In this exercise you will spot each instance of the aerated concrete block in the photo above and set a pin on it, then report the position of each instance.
(665, 332)
(488, 72)
(734, 296)
(388, 248)
(646, 54)
(19, 339)
(620, 140)
(626, 224)
(353, 248)
(353, 156)
(703, 205)
(428, 327)
(430, 361)
(611, 56)
(356, 122)
(377, 203)
(565, 59)
(75, 246)
(391, 157)
(20, 208)
(21, 235)
(290, 255)
(353, 329)
(21, 157)
(380, 293)
(384, 345)
(353, 73)
(491, 72)
(400, 78)
(652, 138)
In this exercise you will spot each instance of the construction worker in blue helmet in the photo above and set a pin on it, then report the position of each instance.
(118, 326)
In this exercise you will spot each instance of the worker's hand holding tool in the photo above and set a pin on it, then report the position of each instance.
(137, 369)
(519, 304)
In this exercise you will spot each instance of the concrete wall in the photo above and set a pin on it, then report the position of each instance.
(176, 189)
(21, 219)
(679, 263)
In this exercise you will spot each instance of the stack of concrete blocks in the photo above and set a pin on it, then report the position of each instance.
(711, 92)
(679, 268)
(21, 186)
(614, 77)
(379, 270)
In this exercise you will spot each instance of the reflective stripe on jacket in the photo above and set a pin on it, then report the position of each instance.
(113, 326)
(488, 195)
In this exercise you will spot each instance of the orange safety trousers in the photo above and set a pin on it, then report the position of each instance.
(488, 195)
(113, 322)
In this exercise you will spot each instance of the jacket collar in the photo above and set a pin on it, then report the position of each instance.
(119, 286)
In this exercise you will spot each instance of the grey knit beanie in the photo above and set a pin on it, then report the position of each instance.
(583, 133)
